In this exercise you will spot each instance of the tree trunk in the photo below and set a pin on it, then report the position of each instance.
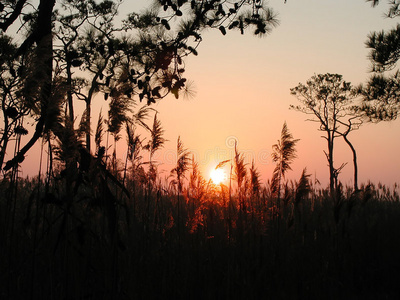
(69, 92)
(330, 163)
(5, 137)
(353, 150)
(88, 114)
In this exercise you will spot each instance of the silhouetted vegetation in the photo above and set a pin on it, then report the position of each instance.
(131, 234)
(73, 50)
(381, 92)
(92, 226)
(330, 101)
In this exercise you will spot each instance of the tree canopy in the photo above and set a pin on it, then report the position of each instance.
(329, 101)
(381, 93)
(68, 51)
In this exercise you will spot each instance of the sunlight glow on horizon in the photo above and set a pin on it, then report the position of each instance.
(217, 176)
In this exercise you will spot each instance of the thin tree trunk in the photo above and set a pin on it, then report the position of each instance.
(88, 114)
(69, 93)
(330, 162)
(353, 150)
(5, 137)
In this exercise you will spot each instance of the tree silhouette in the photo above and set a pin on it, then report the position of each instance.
(11, 82)
(140, 58)
(394, 9)
(37, 89)
(331, 102)
(382, 91)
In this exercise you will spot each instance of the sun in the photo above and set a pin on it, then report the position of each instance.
(217, 176)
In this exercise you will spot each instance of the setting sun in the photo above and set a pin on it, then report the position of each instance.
(217, 175)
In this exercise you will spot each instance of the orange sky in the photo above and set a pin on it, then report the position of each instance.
(243, 92)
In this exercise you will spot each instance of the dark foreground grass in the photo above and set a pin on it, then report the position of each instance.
(160, 246)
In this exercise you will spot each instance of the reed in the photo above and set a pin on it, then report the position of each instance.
(117, 238)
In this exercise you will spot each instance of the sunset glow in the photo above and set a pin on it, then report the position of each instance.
(185, 149)
(217, 175)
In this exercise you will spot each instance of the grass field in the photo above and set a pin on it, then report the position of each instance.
(151, 242)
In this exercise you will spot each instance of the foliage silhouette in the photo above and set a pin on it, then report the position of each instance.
(381, 92)
(341, 250)
(331, 102)
(138, 58)
(89, 231)
(240, 175)
(284, 152)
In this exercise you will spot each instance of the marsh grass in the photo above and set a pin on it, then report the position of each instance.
(324, 249)
(118, 230)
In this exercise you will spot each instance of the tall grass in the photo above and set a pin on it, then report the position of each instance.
(326, 249)
(131, 234)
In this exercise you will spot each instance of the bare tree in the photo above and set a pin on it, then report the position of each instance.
(330, 101)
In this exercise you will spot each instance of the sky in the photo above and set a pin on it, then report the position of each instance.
(243, 92)
(243, 83)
